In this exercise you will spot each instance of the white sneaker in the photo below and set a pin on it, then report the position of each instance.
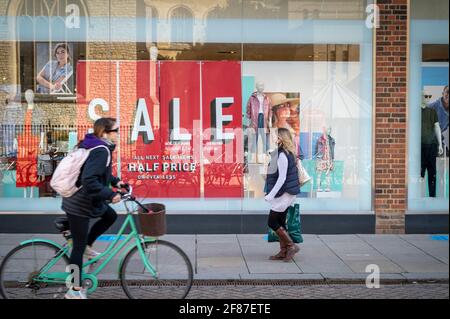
(89, 253)
(75, 294)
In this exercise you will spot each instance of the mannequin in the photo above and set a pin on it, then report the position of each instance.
(259, 114)
(324, 159)
(29, 97)
(431, 144)
(28, 148)
(441, 107)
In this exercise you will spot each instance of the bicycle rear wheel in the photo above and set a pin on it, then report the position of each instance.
(174, 272)
(22, 264)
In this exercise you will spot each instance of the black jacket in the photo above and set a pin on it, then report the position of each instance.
(95, 179)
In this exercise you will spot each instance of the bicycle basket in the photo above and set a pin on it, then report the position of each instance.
(153, 223)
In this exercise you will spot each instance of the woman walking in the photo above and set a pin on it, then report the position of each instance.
(91, 200)
(282, 187)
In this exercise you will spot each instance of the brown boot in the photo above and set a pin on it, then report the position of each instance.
(291, 248)
(281, 254)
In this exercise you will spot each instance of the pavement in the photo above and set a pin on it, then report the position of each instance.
(322, 258)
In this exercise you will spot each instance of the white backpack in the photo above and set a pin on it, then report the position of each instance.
(66, 174)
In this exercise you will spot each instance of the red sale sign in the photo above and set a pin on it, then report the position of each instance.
(140, 139)
(180, 121)
(180, 124)
(223, 142)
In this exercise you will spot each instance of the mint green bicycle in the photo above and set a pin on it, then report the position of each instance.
(148, 268)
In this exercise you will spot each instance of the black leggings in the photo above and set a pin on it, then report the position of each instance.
(79, 228)
(428, 163)
(277, 219)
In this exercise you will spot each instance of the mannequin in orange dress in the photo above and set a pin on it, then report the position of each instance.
(28, 148)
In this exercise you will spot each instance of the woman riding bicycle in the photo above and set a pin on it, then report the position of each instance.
(91, 200)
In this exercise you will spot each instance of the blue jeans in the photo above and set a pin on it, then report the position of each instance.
(261, 132)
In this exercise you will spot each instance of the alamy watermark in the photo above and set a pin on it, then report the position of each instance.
(373, 279)
(73, 16)
(373, 17)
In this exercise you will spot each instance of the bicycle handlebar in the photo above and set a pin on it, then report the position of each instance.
(127, 196)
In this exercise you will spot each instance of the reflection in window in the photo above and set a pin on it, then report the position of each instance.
(41, 26)
(181, 25)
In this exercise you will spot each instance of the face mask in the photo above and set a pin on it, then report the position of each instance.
(108, 141)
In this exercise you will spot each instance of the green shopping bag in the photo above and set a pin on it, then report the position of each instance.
(293, 226)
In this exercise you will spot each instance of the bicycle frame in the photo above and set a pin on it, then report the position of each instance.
(61, 277)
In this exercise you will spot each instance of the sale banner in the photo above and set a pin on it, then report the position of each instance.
(179, 162)
(180, 124)
(140, 138)
(222, 129)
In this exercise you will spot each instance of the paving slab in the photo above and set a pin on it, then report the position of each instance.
(214, 276)
(316, 257)
(439, 249)
(256, 257)
(216, 239)
(404, 254)
(219, 254)
(358, 254)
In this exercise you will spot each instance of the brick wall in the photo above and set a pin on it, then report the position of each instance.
(111, 51)
(391, 117)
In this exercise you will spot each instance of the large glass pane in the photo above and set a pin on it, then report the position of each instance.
(310, 67)
(181, 79)
(428, 107)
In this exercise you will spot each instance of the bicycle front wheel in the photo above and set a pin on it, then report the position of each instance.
(173, 278)
(20, 268)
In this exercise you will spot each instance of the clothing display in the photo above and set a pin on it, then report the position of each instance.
(429, 146)
(28, 150)
(261, 103)
(261, 133)
(428, 164)
(324, 160)
(429, 119)
(259, 112)
(442, 113)
(253, 110)
(325, 153)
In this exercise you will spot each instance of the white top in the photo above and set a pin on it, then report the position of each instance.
(281, 203)
(261, 102)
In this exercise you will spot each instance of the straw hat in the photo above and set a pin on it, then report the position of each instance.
(279, 98)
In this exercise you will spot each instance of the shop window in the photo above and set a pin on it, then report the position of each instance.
(42, 35)
(428, 160)
(181, 25)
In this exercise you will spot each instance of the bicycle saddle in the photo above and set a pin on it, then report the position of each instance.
(62, 224)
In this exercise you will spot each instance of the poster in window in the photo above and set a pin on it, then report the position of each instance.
(54, 68)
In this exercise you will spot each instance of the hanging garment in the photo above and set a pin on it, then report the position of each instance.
(27, 155)
(325, 153)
